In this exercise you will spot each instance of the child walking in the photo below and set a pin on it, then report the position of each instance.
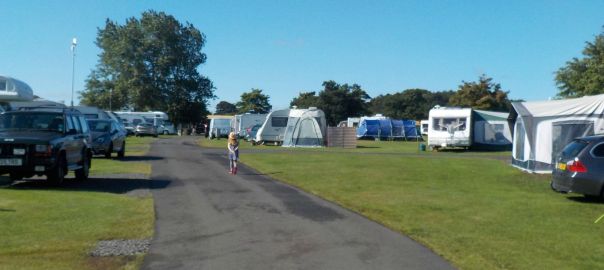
(233, 147)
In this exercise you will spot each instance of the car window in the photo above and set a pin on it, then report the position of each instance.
(69, 123)
(99, 126)
(573, 149)
(598, 151)
(76, 123)
(83, 124)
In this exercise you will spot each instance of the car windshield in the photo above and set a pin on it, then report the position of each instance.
(100, 126)
(32, 121)
(574, 148)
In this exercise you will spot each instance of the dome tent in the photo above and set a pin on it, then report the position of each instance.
(305, 128)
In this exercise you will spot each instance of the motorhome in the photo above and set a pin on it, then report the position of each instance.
(274, 127)
(12, 89)
(159, 119)
(450, 127)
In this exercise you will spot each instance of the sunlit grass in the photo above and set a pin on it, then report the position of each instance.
(477, 213)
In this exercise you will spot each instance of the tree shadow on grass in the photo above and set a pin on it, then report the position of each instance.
(247, 172)
(366, 147)
(109, 185)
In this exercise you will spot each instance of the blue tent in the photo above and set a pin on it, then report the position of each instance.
(387, 129)
(411, 132)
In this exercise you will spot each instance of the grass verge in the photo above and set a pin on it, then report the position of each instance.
(477, 213)
(46, 228)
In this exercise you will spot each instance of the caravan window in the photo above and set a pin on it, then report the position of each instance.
(2, 85)
(279, 121)
(443, 124)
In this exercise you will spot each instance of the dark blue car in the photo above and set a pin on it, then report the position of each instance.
(579, 167)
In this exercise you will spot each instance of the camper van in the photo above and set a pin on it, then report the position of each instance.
(274, 127)
(243, 122)
(159, 119)
(14, 90)
(450, 127)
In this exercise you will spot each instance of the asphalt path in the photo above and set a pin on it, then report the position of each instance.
(209, 219)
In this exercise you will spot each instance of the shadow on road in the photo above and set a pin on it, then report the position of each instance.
(110, 185)
(140, 158)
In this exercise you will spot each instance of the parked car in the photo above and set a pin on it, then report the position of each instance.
(580, 167)
(145, 129)
(44, 141)
(129, 128)
(107, 137)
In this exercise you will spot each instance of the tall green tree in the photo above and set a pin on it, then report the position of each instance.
(254, 101)
(224, 107)
(483, 95)
(151, 63)
(342, 101)
(305, 100)
(584, 76)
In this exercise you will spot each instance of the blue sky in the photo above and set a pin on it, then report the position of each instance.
(285, 47)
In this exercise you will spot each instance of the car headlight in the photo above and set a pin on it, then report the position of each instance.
(19, 151)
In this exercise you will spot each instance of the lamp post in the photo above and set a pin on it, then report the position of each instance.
(74, 42)
(110, 95)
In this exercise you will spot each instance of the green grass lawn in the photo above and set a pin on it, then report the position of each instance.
(56, 228)
(478, 213)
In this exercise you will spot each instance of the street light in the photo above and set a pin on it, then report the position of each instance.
(110, 95)
(74, 42)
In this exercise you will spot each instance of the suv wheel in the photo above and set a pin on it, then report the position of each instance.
(109, 151)
(82, 173)
(122, 151)
(57, 174)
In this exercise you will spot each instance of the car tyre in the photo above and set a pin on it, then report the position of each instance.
(109, 151)
(82, 173)
(56, 176)
(122, 152)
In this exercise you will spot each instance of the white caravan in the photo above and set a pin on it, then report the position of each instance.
(14, 90)
(450, 127)
(273, 129)
(425, 126)
(220, 127)
(242, 122)
(159, 119)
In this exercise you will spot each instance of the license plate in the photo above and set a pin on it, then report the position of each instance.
(562, 166)
(11, 162)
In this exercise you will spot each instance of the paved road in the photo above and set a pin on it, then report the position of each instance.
(208, 219)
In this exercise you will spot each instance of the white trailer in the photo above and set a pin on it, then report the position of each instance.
(274, 127)
(450, 127)
(159, 119)
(242, 122)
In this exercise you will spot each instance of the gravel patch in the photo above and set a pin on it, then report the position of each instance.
(121, 247)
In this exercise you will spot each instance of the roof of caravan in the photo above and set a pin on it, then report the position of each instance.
(586, 105)
(450, 111)
(218, 116)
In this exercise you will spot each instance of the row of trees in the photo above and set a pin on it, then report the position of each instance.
(153, 63)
